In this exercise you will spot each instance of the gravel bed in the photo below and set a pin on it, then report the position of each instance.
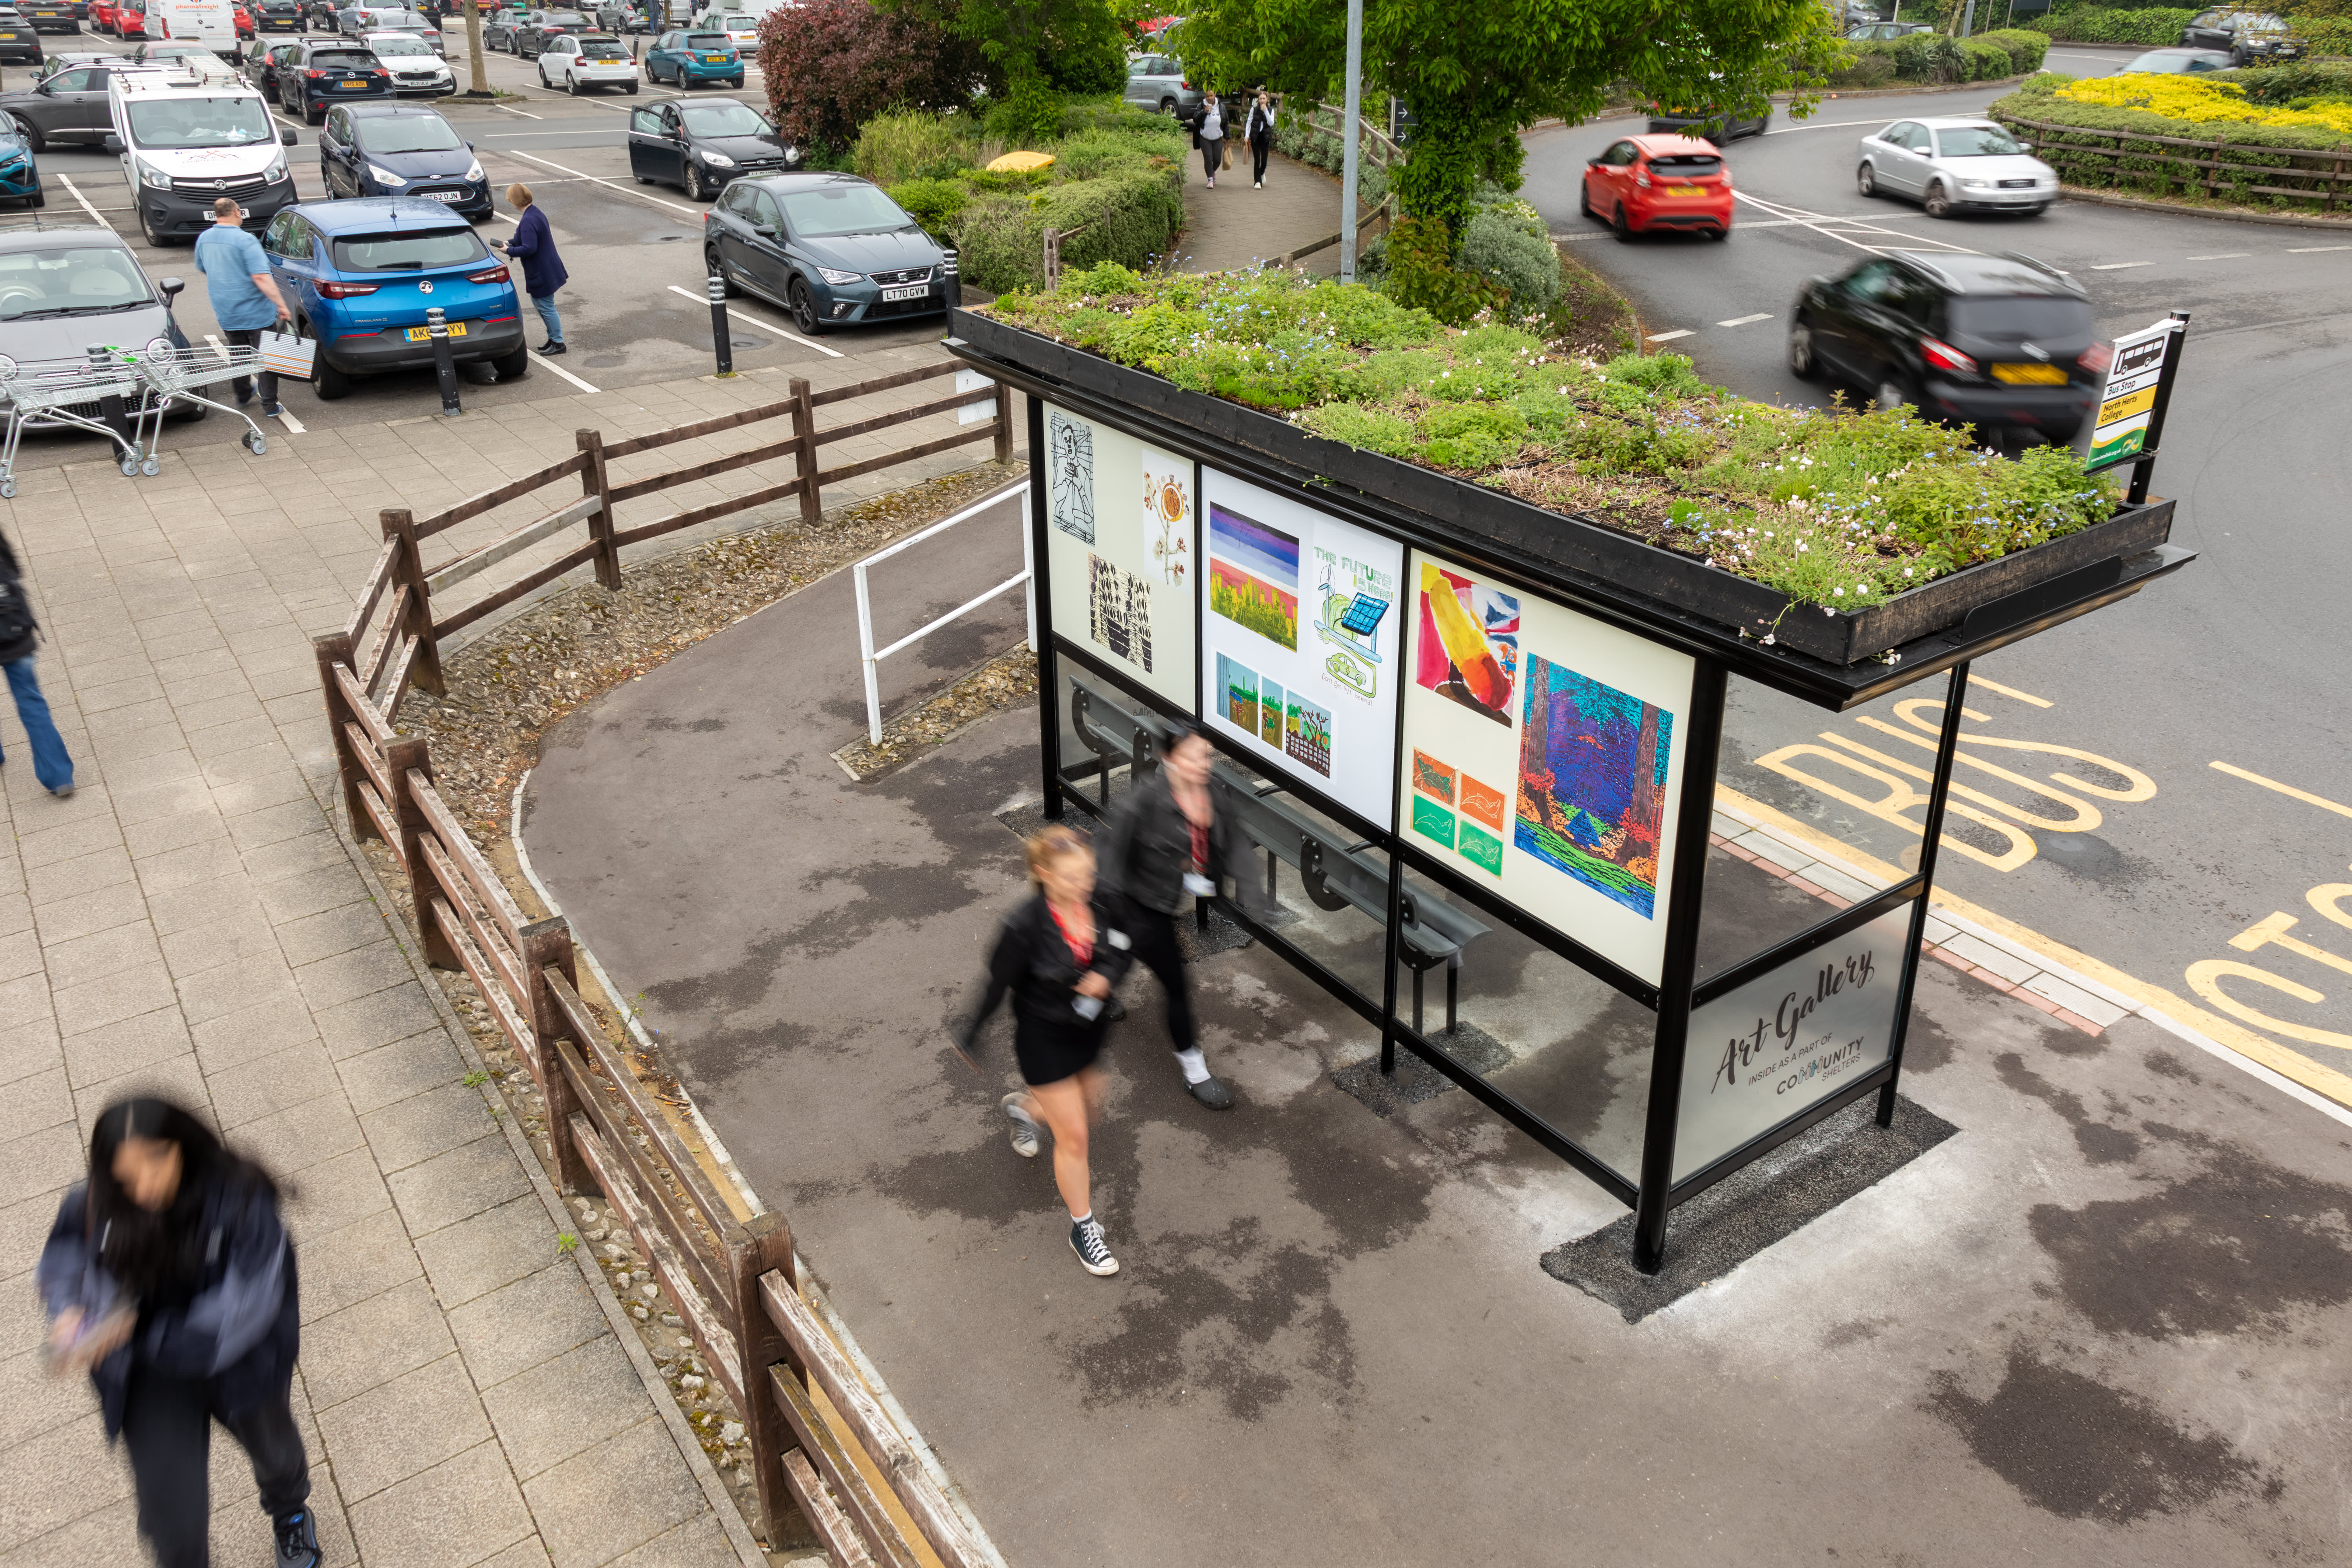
(1010, 679)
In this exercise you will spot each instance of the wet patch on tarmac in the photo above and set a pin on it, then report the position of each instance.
(2101, 1143)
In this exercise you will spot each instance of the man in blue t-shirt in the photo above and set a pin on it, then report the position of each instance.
(246, 301)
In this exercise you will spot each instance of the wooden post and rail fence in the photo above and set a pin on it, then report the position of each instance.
(733, 1280)
(2191, 162)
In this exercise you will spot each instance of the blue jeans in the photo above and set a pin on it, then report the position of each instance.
(545, 305)
(51, 766)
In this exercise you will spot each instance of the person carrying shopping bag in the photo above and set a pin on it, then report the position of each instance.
(245, 297)
(1209, 135)
(533, 245)
(1258, 132)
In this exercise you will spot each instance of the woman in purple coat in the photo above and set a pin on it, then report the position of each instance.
(533, 245)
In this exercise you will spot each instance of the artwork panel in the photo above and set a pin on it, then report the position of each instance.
(1070, 474)
(1307, 733)
(1432, 820)
(1481, 847)
(1483, 803)
(1119, 612)
(1469, 650)
(1432, 777)
(1270, 715)
(1237, 688)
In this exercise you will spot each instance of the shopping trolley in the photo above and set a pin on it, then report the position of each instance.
(58, 392)
(173, 373)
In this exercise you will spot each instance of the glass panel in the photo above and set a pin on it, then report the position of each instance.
(1324, 890)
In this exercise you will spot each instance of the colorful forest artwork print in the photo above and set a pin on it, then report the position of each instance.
(1253, 576)
(1432, 777)
(1432, 820)
(1119, 612)
(1240, 688)
(1592, 783)
(1070, 474)
(1269, 710)
(1483, 803)
(1469, 645)
(1307, 733)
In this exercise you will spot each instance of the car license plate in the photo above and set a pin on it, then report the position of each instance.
(425, 334)
(1685, 190)
(355, 82)
(445, 195)
(916, 293)
(2031, 375)
(714, 59)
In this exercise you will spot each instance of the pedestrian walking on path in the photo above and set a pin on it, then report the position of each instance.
(1258, 132)
(533, 245)
(1209, 135)
(1057, 956)
(169, 1278)
(1164, 847)
(52, 764)
(245, 297)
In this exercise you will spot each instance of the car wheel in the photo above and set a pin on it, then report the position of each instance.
(1802, 363)
(1168, 107)
(1890, 395)
(712, 268)
(694, 191)
(1938, 202)
(737, 84)
(633, 89)
(1866, 180)
(327, 382)
(1720, 234)
(147, 228)
(543, 75)
(31, 134)
(804, 314)
(573, 83)
(1624, 230)
(1584, 201)
(510, 366)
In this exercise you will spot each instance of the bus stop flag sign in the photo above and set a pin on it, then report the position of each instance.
(2120, 431)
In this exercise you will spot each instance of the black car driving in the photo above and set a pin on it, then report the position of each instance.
(833, 250)
(326, 74)
(401, 150)
(702, 144)
(2006, 343)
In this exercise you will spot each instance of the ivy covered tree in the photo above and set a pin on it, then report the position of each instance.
(1477, 72)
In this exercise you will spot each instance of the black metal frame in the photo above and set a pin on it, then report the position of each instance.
(1716, 656)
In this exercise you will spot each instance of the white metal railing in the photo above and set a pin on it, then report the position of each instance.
(872, 657)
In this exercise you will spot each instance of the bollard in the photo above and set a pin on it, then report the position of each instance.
(445, 367)
(718, 325)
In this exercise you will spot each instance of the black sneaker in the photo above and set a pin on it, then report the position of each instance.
(297, 1541)
(1114, 1010)
(245, 395)
(1094, 1252)
(548, 351)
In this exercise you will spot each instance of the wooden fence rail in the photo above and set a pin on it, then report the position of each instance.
(731, 1281)
(2214, 170)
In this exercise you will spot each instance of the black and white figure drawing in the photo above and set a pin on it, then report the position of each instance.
(1070, 446)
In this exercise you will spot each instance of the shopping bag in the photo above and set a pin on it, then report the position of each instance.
(287, 355)
(1227, 162)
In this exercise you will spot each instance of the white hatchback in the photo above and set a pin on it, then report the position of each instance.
(1947, 164)
(595, 60)
(416, 67)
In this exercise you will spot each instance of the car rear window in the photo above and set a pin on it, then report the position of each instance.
(1687, 163)
(708, 41)
(409, 252)
(343, 60)
(2025, 318)
(602, 49)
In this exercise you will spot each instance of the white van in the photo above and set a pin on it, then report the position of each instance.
(211, 23)
(191, 135)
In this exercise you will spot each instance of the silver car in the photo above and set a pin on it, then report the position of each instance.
(1948, 164)
(1157, 82)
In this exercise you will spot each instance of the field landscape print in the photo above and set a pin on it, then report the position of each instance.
(1592, 783)
(1240, 686)
(1253, 576)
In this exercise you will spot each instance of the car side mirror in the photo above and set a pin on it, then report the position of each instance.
(290, 138)
(114, 145)
(2025, 146)
(764, 230)
(171, 286)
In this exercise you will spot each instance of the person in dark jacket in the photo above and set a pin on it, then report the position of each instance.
(1163, 847)
(1209, 135)
(1258, 132)
(1057, 956)
(52, 764)
(533, 245)
(168, 1276)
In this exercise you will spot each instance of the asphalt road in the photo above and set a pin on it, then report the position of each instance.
(627, 247)
(2242, 660)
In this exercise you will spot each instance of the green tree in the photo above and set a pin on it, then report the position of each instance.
(1476, 72)
(1035, 47)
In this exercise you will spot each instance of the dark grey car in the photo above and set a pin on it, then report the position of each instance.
(68, 108)
(64, 291)
(1157, 82)
(2247, 36)
(833, 250)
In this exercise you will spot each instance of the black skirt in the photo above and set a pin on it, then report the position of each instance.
(1048, 1053)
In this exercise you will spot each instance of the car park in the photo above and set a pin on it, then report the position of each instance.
(68, 108)
(2244, 36)
(1157, 82)
(359, 276)
(187, 140)
(64, 290)
(51, 18)
(20, 43)
(20, 171)
(833, 249)
(419, 70)
(700, 144)
(2005, 343)
(401, 150)
(581, 65)
(330, 73)
(688, 58)
(2176, 62)
(1956, 164)
(1643, 185)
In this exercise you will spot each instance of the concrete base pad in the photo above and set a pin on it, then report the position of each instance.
(1414, 1080)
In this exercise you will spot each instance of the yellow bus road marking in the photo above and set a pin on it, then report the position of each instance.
(1976, 679)
(2304, 796)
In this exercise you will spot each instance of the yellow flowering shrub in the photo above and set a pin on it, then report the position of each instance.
(2199, 101)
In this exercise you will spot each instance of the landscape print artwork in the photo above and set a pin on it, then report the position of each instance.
(1592, 783)
(1469, 645)
(1240, 688)
(1253, 576)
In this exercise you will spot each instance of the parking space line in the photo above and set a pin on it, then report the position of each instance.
(2119, 265)
(2289, 790)
(293, 426)
(75, 191)
(615, 184)
(755, 322)
(1744, 321)
(220, 349)
(2225, 255)
(1670, 337)
(512, 110)
(2309, 249)
(551, 364)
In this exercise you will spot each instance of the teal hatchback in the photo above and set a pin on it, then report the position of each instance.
(688, 58)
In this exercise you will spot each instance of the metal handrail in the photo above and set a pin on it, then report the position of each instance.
(871, 658)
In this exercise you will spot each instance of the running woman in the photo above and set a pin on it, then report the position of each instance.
(1163, 847)
(1058, 956)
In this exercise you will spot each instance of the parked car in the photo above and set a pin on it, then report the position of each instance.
(701, 144)
(739, 26)
(69, 107)
(690, 58)
(359, 276)
(319, 16)
(2245, 36)
(20, 42)
(2177, 62)
(2001, 342)
(70, 58)
(268, 69)
(1954, 163)
(833, 249)
(183, 141)
(594, 61)
(1157, 82)
(359, 21)
(417, 67)
(531, 42)
(498, 28)
(278, 17)
(130, 19)
(64, 291)
(1643, 183)
(1887, 30)
(20, 171)
(51, 18)
(163, 53)
(401, 150)
(99, 15)
(328, 73)
(1715, 126)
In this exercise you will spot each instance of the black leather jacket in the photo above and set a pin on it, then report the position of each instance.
(1147, 846)
(1035, 965)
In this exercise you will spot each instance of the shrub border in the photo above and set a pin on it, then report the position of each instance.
(2226, 214)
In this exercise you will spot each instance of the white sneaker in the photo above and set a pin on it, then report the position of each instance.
(1024, 1126)
(1094, 1253)
(1258, 185)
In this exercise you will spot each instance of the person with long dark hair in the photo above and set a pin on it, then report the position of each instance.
(1258, 132)
(169, 1278)
(1057, 956)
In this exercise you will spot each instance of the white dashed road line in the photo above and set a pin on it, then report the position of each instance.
(551, 364)
(1670, 337)
(755, 322)
(1845, 230)
(1744, 321)
(511, 110)
(2225, 255)
(2118, 266)
(2310, 249)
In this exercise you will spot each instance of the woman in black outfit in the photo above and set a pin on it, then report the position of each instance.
(1258, 132)
(1058, 956)
(169, 1277)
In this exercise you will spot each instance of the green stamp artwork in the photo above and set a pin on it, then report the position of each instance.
(1432, 821)
(1481, 847)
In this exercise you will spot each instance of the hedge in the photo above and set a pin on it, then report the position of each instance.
(2141, 167)
(2111, 24)
(1932, 56)
(1130, 216)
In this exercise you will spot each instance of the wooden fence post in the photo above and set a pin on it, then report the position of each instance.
(332, 649)
(402, 753)
(764, 1243)
(1004, 422)
(594, 482)
(410, 569)
(545, 943)
(804, 435)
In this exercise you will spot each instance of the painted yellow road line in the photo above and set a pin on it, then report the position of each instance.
(2259, 1049)
(1976, 679)
(2304, 796)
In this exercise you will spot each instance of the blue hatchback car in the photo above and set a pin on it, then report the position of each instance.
(686, 58)
(20, 172)
(360, 274)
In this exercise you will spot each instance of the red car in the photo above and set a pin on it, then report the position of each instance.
(100, 15)
(1647, 183)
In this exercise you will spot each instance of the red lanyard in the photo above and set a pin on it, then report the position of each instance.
(1200, 845)
(1081, 950)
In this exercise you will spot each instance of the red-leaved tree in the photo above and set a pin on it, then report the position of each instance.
(832, 64)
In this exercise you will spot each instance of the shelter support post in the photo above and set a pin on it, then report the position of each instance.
(1947, 746)
(1041, 602)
